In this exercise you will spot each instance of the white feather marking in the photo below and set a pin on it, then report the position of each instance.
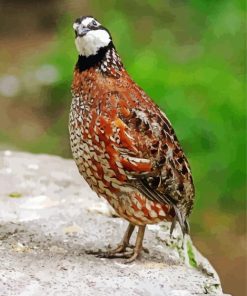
(152, 214)
(75, 26)
(92, 42)
(137, 160)
(169, 153)
(88, 20)
(141, 115)
(162, 213)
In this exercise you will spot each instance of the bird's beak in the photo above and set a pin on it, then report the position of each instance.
(80, 31)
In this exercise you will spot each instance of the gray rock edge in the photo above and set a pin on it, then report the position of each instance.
(49, 218)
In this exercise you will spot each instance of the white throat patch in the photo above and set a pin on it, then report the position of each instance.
(92, 42)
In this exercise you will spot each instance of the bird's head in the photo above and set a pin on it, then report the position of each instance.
(90, 36)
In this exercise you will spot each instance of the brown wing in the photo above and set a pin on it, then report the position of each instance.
(150, 154)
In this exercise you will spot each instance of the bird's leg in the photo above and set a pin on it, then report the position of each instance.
(125, 241)
(132, 254)
(120, 251)
(121, 248)
(138, 246)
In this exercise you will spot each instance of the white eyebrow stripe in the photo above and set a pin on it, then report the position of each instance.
(87, 21)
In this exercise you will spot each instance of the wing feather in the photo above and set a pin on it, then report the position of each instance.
(150, 154)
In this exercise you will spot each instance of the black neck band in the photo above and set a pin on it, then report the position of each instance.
(85, 63)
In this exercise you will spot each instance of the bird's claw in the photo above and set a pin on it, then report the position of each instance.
(146, 250)
(130, 256)
(119, 252)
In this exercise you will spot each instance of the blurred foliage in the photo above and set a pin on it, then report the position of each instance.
(189, 57)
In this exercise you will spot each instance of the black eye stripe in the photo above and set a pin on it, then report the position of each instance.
(78, 20)
(100, 27)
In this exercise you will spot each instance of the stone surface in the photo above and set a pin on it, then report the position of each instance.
(49, 218)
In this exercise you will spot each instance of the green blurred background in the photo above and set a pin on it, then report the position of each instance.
(187, 55)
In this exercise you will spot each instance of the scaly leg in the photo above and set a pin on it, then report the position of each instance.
(138, 246)
(121, 252)
(120, 249)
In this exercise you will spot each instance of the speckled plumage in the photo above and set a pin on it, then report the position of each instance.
(124, 145)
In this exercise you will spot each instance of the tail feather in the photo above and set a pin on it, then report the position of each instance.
(184, 224)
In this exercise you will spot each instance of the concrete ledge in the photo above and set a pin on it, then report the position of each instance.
(49, 218)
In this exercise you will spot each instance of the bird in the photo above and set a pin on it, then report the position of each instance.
(123, 144)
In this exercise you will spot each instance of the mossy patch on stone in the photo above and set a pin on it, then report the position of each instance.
(15, 195)
(191, 255)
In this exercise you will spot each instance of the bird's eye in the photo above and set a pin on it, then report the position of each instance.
(94, 23)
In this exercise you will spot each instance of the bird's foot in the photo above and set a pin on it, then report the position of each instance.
(122, 251)
(117, 252)
(109, 253)
(130, 256)
(125, 249)
(146, 250)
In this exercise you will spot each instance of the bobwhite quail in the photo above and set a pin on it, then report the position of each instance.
(123, 144)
